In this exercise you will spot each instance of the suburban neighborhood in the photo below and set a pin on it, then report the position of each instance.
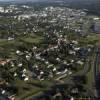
(48, 53)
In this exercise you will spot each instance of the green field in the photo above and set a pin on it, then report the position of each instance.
(34, 40)
(30, 88)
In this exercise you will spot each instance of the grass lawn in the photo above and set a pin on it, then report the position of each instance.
(27, 89)
(27, 39)
(34, 40)
(94, 37)
(5, 42)
(90, 76)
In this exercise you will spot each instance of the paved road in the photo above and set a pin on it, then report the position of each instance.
(97, 73)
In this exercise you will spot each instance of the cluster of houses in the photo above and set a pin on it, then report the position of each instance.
(62, 17)
(8, 9)
(56, 19)
(59, 59)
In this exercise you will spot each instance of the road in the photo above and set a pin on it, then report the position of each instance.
(97, 73)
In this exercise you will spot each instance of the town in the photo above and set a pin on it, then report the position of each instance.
(47, 49)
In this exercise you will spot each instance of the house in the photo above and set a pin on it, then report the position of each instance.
(26, 79)
(96, 18)
(4, 62)
(18, 52)
(76, 49)
(15, 74)
(51, 65)
(71, 52)
(10, 38)
(54, 69)
(1, 9)
(65, 62)
(69, 72)
(80, 62)
(74, 91)
(24, 70)
(58, 73)
(41, 73)
(20, 65)
(46, 62)
(12, 97)
(58, 59)
(72, 61)
(28, 57)
(3, 91)
(34, 48)
(23, 75)
(72, 98)
(74, 42)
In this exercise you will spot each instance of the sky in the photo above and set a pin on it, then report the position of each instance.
(27, 0)
(19, 0)
(49, 0)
